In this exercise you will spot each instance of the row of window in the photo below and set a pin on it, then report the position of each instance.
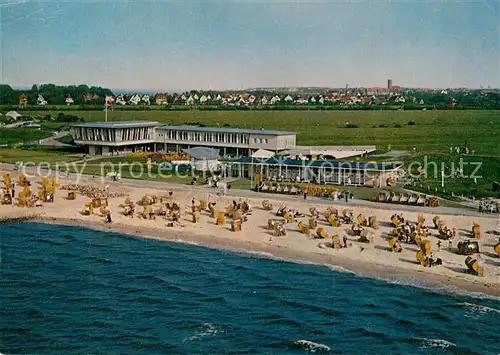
(211, 137)
(112, 135)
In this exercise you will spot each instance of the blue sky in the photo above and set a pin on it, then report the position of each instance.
(174, 45)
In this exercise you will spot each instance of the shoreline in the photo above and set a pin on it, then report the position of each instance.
(340, 263)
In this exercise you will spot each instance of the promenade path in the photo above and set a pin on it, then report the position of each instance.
(88, 179)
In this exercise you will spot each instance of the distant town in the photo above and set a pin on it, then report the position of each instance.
(389, 96)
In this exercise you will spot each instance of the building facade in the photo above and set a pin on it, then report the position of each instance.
(104, 138)
(318, 172)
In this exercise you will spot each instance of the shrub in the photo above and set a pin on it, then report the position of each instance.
(351, 125)
(411, 123)
(61, 117)
(397, 126)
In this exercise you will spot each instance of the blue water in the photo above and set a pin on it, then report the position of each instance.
(76, 291)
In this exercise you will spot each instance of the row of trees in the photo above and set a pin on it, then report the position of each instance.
(95, 96)
(55, 94)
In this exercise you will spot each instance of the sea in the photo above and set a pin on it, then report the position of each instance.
(72, 290)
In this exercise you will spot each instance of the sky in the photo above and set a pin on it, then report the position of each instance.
(179, 45)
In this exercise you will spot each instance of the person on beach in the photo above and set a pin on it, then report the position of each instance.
(108, 218)
(345, 241)
(305, 194)
(439, 245)
(450, 244)
(346, 197)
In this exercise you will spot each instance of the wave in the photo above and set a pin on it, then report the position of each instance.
(262, 254)
(339, 269)
(435, 343)
(312, 347)
(435, 287)
(186, 242)
(207, 330)
(473, 310)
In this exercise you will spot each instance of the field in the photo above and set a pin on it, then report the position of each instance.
(424, 134)
(433, 131)
(36, 155)
(22, 135)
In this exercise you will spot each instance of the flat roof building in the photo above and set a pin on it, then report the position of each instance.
(315, 171)
(105, 138)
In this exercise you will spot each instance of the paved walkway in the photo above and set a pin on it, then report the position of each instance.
(254, 194)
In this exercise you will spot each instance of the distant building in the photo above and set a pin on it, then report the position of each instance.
(389, 84)
(23, 100)
(13, 115)
(203, 158)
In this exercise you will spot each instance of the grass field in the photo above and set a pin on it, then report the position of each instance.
(36, 155)
(22, 135)
(434, 131)
(431, 132)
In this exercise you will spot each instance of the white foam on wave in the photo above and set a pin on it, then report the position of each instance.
(475, 311)
(438, 288)
(207, 330)
(435, 343)
(186, 242)
(339, 269)
(262, 254)
(311, 346)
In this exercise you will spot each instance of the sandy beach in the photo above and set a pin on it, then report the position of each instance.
(374, 259)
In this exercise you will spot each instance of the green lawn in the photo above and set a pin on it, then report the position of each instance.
(434, 131)
(22, 135)
(36, 155)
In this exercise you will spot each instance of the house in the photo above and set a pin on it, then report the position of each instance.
(312, 100)
(190, 100)
(13, 115)
(218, 98)
(161, 99)
(301, 100)
(41, 101)
(203, 99)
(264, 100)
(288, 98)
(321, 100)
(421, 102)
(23, 100)
(196, 97)
(134, 100)
(69, 100)
(120, 100)
(274, 100)
(146, 100)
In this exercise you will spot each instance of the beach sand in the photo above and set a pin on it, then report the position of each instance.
(372, 260)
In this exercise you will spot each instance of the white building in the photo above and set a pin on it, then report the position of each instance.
(109, 137)
(203, 158)
(104, 138)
